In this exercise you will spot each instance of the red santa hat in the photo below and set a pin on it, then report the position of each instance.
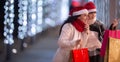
(78, 11)
(90, 6)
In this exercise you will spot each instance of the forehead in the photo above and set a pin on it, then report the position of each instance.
(84, 14)
(92, 12)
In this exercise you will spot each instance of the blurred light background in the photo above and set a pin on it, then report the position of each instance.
(22, 20)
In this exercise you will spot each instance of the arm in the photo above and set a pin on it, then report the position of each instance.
(101, 29)
(66, 37)
(114, 24)
(112, 27)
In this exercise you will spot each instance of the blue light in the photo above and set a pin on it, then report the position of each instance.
(22, 29)
(8, 22)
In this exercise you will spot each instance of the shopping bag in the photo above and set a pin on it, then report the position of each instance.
(114, 50)
(107, 34)
(80, 55)
(70, 57)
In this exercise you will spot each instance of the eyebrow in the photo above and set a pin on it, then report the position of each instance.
(92, 12)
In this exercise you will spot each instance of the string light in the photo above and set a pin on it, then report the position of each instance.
(8, 22)
(22, 29)
(39, 16)
(32, 17)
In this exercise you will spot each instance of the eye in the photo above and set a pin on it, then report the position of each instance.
(85, 15)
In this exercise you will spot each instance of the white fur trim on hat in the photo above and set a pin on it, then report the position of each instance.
(83, 11)
(92, 10)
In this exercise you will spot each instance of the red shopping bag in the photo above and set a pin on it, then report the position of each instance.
(80, 55)
(107, 34)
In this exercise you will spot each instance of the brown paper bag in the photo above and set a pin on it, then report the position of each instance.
(106, 54)
(114, 50)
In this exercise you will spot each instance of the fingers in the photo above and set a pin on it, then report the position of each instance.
(78, 41)
(115, 22)
(118, 19)
(78, 44)
(86, 29)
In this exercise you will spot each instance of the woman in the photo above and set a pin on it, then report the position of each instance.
(97, 26)
(75, 33)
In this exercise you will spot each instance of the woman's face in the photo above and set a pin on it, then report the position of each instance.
(92, 15)
(91, 18)
(83, 17)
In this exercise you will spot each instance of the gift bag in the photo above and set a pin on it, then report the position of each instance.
(107, 34)
(114, 50)
(80, 55)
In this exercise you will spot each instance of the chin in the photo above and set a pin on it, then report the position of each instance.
(92, 21)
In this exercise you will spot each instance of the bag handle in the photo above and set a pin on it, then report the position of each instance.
(78, 46)
(115, 32)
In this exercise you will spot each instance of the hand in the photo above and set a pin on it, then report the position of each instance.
(115, 22)
(86, 28)
(78, 44)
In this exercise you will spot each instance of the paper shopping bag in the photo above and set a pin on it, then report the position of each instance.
(80, 55)
(107, 34)
(114, 50)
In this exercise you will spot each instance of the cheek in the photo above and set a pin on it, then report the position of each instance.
(90, 16)
(85, 17)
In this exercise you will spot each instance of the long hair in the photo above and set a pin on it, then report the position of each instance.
(69, 20)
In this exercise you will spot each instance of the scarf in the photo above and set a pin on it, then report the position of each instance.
(79, 25)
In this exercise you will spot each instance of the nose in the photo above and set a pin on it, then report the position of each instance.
(94, 14)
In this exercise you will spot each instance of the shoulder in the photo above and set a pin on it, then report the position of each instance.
(99, 22)
(68, 26)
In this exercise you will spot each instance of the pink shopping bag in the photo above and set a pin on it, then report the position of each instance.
(107, 34)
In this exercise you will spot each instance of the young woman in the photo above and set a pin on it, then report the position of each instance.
(97, 26)
(75, 33)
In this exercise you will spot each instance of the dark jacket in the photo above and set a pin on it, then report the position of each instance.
(98, 27)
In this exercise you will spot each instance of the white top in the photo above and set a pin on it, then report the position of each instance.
(67, 42)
